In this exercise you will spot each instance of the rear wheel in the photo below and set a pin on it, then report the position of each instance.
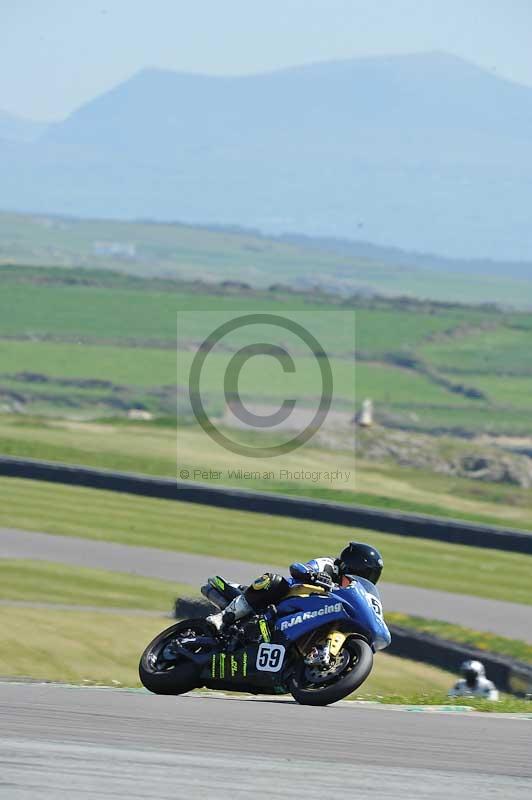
(318, 686)
(162, 669)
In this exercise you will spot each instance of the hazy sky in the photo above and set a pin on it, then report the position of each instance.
(57, 54)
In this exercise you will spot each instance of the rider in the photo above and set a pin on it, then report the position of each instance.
(474, 682)
(356, 560)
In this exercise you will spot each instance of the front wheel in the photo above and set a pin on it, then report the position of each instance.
(162, 669)
(311, 686)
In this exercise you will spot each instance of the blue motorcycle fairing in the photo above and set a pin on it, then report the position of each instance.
(297, 616)
(363, 599)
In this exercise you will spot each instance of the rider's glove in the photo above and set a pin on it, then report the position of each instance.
(304, 574)
(321, 579)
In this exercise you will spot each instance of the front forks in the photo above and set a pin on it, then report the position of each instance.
(321, 653)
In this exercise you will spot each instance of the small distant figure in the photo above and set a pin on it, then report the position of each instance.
(365, 417)
(474, 683)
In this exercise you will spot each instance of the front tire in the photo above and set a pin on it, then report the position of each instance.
(311, 692)
(163, 675)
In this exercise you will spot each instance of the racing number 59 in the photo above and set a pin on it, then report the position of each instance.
(270, 657)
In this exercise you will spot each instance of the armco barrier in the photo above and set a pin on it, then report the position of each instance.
(416, 525)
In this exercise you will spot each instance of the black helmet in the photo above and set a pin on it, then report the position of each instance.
(362, 560)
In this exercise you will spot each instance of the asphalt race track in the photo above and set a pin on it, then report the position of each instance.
(58, 742)
(505, 619)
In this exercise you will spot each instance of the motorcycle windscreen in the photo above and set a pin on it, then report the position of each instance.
(362, 598)
(368, 585)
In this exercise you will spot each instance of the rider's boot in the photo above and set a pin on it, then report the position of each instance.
(237, 609)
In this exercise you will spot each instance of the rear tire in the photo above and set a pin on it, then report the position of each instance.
(171, 677)
(360, 665)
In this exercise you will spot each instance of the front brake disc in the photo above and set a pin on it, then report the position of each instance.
(323, 674)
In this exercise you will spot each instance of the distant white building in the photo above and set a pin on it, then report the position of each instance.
(139, 414)
(116, 249)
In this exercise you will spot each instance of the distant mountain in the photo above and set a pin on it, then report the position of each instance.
(425, 152)
(17, 129)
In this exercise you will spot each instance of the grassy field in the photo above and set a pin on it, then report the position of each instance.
(91, 379)
(107, 307)
(74, 646)
(504, 351)
(92, 341)
(140, 368)
(42, 581)
(254, 537)
(151, 449)
(514, 392)
(187, 251)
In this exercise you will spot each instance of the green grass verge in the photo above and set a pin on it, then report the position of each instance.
(74, 646)
(506, 705)
(390, 673)
(515, 648)
(47, 582)
(88, 647)
(178, 526)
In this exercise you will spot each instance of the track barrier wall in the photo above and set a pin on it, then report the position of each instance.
(396, 522)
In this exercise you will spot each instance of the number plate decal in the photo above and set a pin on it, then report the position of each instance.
(375, 605)
(270, 657)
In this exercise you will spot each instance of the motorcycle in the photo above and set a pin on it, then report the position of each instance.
(317, 644)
